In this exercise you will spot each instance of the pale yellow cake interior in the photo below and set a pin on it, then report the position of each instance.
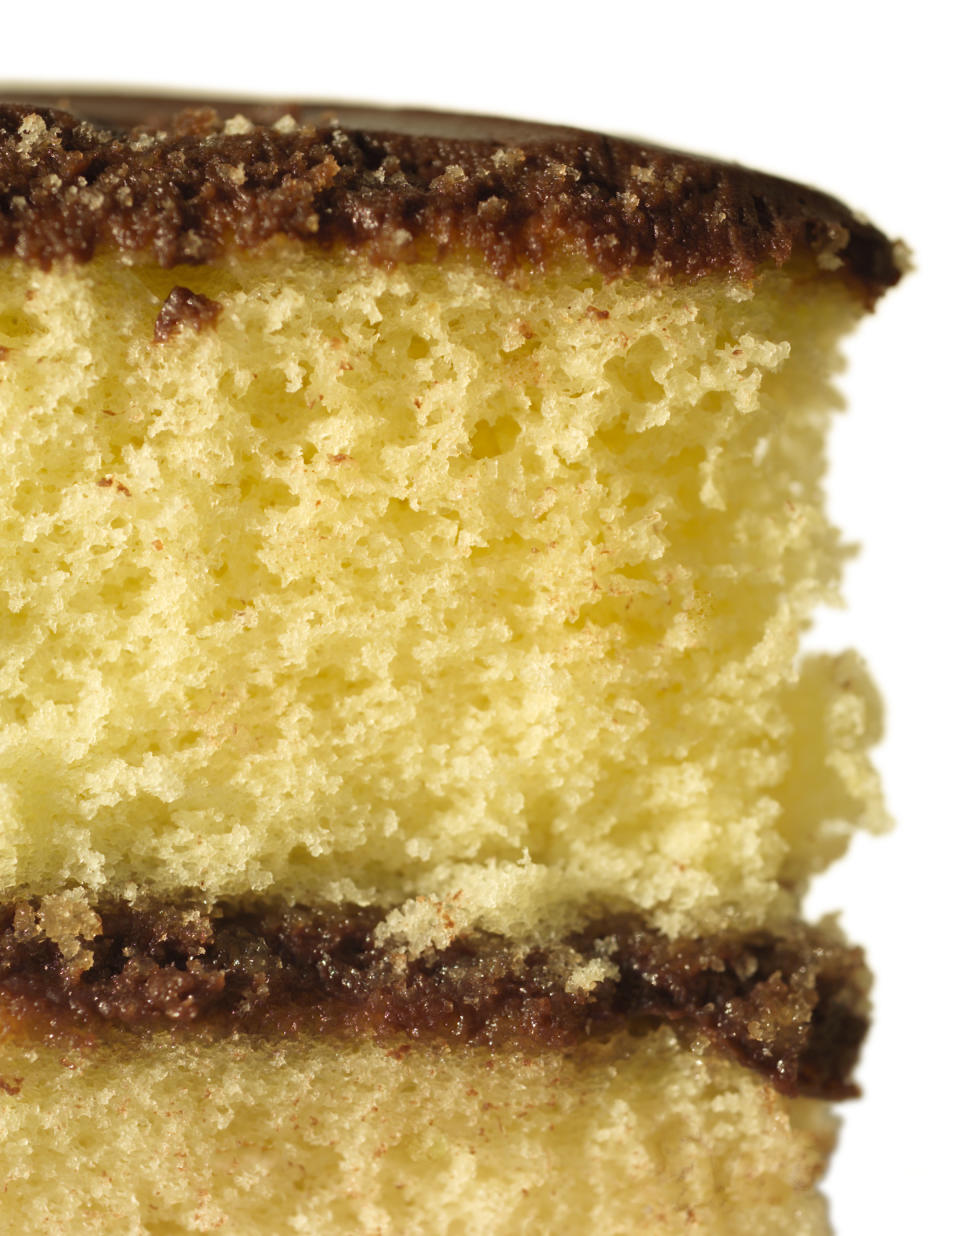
(643, 1137)
(422, 582)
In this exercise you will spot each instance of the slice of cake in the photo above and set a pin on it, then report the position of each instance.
(409, 774)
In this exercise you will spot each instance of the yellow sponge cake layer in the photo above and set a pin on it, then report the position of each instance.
(650, 1135)
(370, 583)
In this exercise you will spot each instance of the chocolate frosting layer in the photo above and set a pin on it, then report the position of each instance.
(792, 1006)
(180, 183)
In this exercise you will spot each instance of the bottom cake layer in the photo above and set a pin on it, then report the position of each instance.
(656, 1134)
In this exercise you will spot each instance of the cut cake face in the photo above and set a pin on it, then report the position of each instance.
(409, 525)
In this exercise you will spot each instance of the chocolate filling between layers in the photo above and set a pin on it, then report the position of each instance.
(792, 1006)
(186, 182)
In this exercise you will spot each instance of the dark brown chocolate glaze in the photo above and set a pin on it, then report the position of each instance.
(792, 1006)
(178, 182)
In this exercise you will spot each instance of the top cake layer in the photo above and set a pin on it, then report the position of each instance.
(337, 573)
(352, 583)
(147, 177)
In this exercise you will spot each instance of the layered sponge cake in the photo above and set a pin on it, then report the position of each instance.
(409, 771)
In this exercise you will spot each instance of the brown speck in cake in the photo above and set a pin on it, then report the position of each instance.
(185, 308)
(108, 482)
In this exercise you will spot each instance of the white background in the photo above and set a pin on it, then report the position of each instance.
(841, 96)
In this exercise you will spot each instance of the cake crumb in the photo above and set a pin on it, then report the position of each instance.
(582, 979)
(32, 131)
(237, 126)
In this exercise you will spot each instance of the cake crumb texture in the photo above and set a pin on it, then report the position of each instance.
(408, 583)
(651, 1135)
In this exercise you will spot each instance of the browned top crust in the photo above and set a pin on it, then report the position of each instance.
(179, 183)
(791, 1006)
